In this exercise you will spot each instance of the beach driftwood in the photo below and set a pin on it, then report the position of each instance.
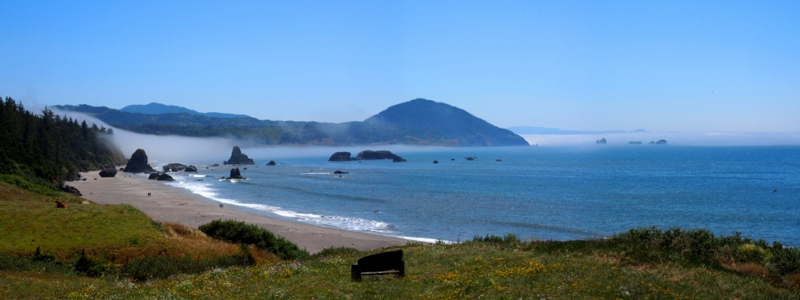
(390, 262)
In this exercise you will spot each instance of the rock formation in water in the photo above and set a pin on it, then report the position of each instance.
(190, 169)
(164, 177)
(153, 176)
(340, 156)
(381, 154)
(634, 143)
(235, 174)
(174, 167)
(238, 158)
(138, 163)
(601, 141)
(271, 163)
(661, 142)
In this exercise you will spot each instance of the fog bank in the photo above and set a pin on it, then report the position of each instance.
(672, 138)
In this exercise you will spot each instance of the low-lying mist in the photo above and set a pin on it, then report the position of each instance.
(672, 138)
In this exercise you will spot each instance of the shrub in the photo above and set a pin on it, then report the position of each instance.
(507, 239)
(336, 251)
(750, 253)
(239, 232)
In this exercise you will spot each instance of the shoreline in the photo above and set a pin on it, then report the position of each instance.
(177, 205)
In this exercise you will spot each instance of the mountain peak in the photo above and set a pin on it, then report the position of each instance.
(448, 121)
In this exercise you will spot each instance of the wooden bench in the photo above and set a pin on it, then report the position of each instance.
(390, 262)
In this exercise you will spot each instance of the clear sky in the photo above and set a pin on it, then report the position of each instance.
(671, 66)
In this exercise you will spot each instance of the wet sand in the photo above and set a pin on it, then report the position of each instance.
(172, 204)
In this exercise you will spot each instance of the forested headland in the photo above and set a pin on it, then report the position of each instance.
(47, 148)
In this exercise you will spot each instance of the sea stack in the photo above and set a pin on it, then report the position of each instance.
(235, 174)
(138, 163)
(340, 156)
(238, 158)
(601, 141)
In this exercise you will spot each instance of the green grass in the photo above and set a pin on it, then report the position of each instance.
(459, 271)
(137, 258)
(32, 224)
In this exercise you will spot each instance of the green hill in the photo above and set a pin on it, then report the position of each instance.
(417, 122)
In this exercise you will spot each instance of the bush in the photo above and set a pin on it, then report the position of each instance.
(507, 239)
(336, 251)
(750, 253)
(239, 232)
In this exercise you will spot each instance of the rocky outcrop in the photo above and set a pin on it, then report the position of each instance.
(337, 172)
(238, 158)
(138, 163)
(235, 174)
(174, 167)
(340, 156)
(153, 176)
(271, 163)
(601, 141)
(661, 142)
(71, 190)
(108, 172)
(164, 177)
(190, 169)
(381, 154)
(634, 143)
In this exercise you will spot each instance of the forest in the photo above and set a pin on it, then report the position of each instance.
(48, 148)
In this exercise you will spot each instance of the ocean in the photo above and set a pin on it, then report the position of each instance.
(544, 193)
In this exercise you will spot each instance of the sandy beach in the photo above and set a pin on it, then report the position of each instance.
(172, 204)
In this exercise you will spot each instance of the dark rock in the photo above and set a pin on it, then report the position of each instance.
(452, 159)
(164, 177)
(215, 165)
(122, 169)
(470, 158)
(174, 167)
(340, 156)
(436, 161)
(235, 174)
(634, 143)
(190, 169)
(108, 172)
(238, 158)
(153, 176)
(661, 142)
(498, 159)
(340, 172)
(71, 190)
(601, 141)
(271, 163)
(138, 163)
(398, 159)
(370, 155)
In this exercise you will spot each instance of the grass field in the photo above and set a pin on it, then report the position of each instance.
(640, 264)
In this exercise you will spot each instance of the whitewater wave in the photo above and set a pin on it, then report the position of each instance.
(347, 223)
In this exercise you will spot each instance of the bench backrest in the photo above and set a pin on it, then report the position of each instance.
(381, 261)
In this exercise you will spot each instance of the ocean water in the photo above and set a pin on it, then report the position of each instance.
(546, 193)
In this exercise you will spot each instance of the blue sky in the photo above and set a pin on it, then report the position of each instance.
(668, 66)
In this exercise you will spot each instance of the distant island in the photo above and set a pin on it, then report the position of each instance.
(416, 122)
(545, 130)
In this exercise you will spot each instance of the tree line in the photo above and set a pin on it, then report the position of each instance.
(49, 146)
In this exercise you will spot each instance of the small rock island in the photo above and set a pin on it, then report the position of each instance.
(238, 158)
(366, 155)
